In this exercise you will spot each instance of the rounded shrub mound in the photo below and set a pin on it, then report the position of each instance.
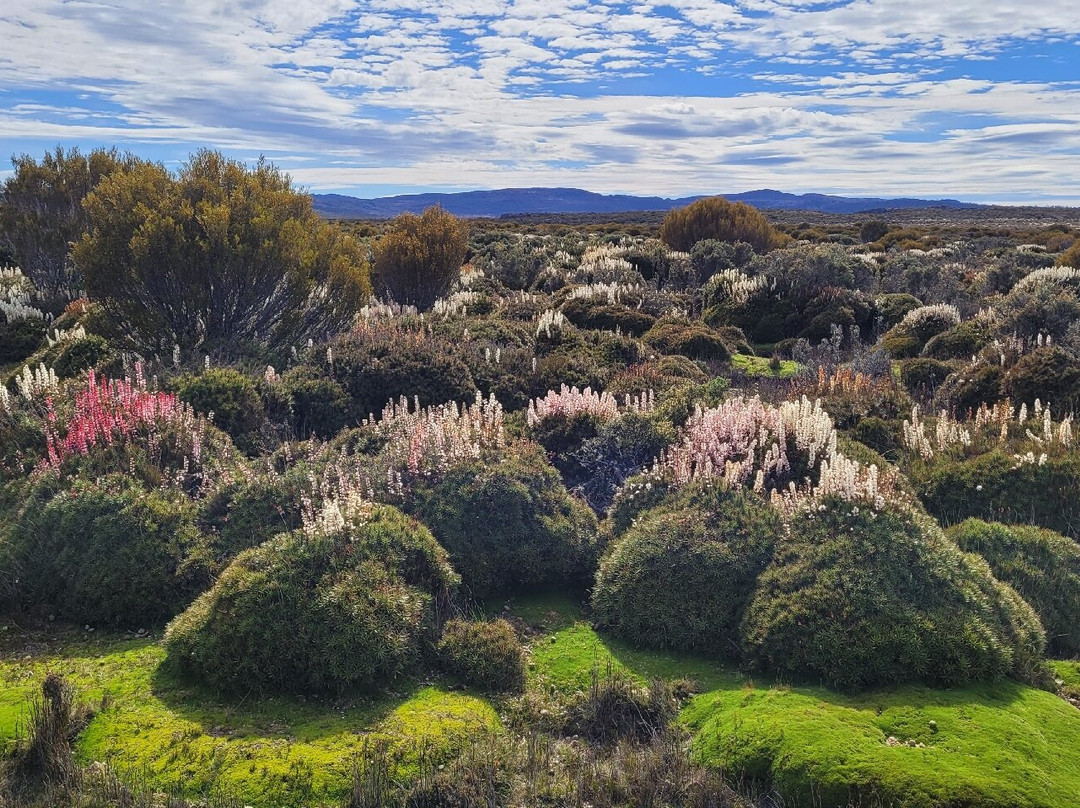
(682, 575)
(1043, 566)
(231, 397)
(319, 611)
(510, 525)
(106, 553)
(485, 655)
(857, 598)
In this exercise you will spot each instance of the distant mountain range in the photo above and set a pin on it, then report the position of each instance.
(511, 201)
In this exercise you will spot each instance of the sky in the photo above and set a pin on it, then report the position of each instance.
(969, 99)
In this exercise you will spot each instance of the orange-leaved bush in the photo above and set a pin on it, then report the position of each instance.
(716, 218)
(418, 258)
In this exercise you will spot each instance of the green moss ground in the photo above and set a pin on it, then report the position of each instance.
(1000, 744)
(271, 752)
(759, 366)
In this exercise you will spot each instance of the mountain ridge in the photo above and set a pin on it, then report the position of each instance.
(517, 201)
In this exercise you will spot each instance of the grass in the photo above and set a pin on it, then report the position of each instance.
(270, 752)
(759, 366)
(998, 744)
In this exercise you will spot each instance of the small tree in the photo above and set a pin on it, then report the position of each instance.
(716, 218)
(215, 254)
(41, 212)
(872, 230)
(1071, 257)
(418, 259)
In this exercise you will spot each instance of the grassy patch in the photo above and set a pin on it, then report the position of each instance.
(1000, 744)
(268, 752)
(759, 366)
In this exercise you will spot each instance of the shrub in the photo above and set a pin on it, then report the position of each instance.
(960, 342)
(681, 576)
(895, 306)
(321, 610)
(595, 314)
(106, 553)
(418, 258)
(510, 524)
(620, 448)
(924, 375)
(1041, 565)
(19, 339)
(318, 405)
(1071, 257)
(692, 340)
(919, 325)
(716, 218)
(78, 355)
(486, 655)
(857, 598)
(217, 253)
(872, 230)
(616, 707)
(1051, 374)
(231, 397)
(877, 434)
(248, 513)
(967, 388)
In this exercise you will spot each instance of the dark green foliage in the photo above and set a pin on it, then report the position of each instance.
(20, 339)
(969, 387)
(75, 356)
(857, 598)
(621, 448)
(711, 256)
(561, 434)
(681, 576)
(509, 524)
(485, 655)
(1050, 374)
(996, 487)
(354, 607)
(375, 372)
(872, 230)
(878, 434)
(231, 397)
(692, 340)
(248, 513)
(1041, 565)
(318, 405)
(597, 314)
(960, 342)
(894, 306)
(923, 375)
(105, 553)
(899, 345)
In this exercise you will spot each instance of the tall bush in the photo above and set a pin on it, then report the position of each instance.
(418, 258)
(716, 218)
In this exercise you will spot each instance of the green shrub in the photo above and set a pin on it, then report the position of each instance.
(681, 576)
(352, 607)
(995, 487)
(620, 449)
(1041, 565)
(18, 340)
(1051, 374)
(692, 340)
(418, 258)
(961, 342)
(248, 513)
(600, 315)
(857, 598)
(106, 553)
(510, 524)
(75, 356)
(967, 388)
(894, 306)
(485, 655)
(231, 397)
(924, 375)
(318, 405)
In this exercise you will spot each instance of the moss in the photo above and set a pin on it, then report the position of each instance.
(762, 366)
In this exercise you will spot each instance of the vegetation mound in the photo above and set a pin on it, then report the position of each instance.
(510, 525)
(1043, 566)
(484, 654)
(682, 575)
(857, 598)
(322, 610)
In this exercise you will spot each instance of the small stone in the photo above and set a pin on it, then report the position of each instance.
(933, 726)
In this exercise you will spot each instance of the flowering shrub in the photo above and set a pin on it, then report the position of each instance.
(570, 402)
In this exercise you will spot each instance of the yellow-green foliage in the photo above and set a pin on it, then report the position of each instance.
(716, 218)
(315, 611)
(418, 258)
(484, 654)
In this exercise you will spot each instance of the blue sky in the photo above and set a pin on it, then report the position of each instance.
(932, 98)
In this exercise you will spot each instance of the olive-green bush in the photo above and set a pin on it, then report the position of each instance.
(231, 397)
(857, 598)
(19, 339)
(1041, 565)
(681, 576)
(486, 655)
(692, 340)
(246, 514)
(1051, 374)
(609, 317)
(354, 607)
(318, 405)
(923, 375)
(78, 355)
(509, 524)
(106, 553)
